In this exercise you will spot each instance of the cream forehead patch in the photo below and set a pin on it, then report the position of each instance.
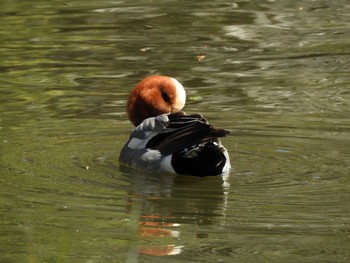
(180, 95)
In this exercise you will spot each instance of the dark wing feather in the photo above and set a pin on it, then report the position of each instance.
(185, 131)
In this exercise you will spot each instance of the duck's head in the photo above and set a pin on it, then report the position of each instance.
(153, 96)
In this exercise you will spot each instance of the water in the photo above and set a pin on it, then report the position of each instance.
(275, 73)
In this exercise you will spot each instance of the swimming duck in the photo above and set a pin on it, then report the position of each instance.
(166, 139)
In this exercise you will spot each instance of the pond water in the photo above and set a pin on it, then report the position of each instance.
(275, 73)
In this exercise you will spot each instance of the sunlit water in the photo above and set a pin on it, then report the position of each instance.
(275, 73)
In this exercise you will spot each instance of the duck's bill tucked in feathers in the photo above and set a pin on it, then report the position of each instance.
(178, 143)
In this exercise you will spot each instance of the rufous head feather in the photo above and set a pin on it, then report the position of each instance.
(153, 96)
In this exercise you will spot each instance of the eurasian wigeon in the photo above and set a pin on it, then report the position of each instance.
(168, 140)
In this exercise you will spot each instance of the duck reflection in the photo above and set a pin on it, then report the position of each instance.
(161, 206)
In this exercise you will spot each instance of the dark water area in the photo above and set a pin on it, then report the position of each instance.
(275, 73)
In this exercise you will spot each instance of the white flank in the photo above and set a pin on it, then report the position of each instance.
(166, 165)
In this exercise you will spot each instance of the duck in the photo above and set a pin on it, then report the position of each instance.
(166, 139)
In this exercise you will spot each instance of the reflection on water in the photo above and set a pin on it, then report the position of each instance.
(275, 73)
(160, 204)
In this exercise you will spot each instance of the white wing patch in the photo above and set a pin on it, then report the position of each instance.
(151, 156)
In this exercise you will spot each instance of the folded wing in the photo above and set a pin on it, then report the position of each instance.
(183, 132)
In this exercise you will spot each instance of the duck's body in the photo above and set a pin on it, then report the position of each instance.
(168, 140)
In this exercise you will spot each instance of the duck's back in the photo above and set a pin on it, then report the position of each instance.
(180, 143)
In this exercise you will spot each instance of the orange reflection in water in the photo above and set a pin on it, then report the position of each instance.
(158, 206)
(156, 229)
(161, 250)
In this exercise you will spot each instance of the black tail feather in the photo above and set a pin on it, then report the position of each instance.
(207, 160)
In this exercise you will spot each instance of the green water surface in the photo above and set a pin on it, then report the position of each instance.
(275, 73)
